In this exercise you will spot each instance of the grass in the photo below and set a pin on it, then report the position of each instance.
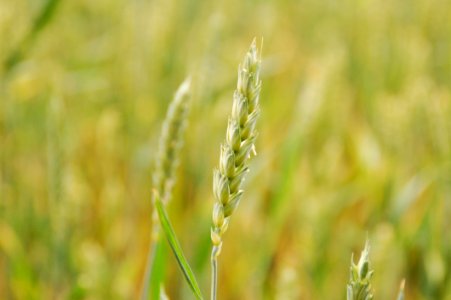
(353, 141)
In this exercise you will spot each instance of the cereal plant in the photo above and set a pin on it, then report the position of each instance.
(102, 163)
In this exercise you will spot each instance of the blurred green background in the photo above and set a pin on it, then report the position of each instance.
(355, 141)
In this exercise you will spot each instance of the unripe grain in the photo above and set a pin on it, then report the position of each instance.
(236, 150)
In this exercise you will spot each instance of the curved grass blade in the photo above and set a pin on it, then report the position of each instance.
(175, 246)
(44, 17)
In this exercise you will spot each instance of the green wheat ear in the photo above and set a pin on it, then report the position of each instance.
(359, 287)
(171, 141)
(235, 152)
(237, 147)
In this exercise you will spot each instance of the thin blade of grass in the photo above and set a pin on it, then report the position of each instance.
(175, 246)
(44, 17)
(155, 271)
(158, 270)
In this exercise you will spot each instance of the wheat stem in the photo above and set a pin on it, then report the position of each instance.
(214, 273)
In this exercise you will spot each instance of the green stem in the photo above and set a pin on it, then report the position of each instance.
(214, 272)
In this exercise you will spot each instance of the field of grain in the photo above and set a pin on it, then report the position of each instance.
(354, 142)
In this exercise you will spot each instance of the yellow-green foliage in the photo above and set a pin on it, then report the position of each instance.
(354, 139)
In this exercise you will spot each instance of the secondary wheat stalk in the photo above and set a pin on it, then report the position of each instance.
(359, 287)
(55, 158)
(170, 144)
(235, 153)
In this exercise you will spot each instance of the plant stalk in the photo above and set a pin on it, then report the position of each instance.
(214, 272)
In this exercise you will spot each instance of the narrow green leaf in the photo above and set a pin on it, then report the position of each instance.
(175, 246)
(44, 17)
(158, 270)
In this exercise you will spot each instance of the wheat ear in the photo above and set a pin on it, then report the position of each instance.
(359, 287)
(235, 152)
(167, 160)
(171, 142)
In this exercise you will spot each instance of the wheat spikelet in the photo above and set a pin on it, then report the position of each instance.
(235, 151)
(359, 287)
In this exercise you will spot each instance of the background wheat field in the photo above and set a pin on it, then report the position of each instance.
(354, 141)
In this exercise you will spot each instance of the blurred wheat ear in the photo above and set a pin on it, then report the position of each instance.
(235, 152)
(359, 287)
(167, 160)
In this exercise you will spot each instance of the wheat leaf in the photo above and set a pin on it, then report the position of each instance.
(175, 246)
